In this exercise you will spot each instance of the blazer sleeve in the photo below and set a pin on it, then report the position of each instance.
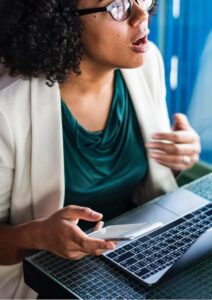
(6, 166)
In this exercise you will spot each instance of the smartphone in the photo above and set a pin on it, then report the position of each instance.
(125, 232)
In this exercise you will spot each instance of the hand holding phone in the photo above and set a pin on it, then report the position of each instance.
(125, 232)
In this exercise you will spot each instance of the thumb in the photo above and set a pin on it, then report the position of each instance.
(74, 213)
(180, 122)
(99, 226)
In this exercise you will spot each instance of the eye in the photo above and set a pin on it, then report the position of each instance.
(119, 9)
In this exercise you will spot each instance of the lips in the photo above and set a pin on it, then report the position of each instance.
(140, 41)
(140, 45)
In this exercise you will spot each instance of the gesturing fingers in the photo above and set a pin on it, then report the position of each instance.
(172, 148)
(175, 162)
(178, 137)
(177, 150)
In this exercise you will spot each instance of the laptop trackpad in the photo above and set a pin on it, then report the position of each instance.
(149, 213)
(166, 208)
(182, 202)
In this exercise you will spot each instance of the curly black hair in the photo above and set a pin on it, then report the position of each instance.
(40, 38)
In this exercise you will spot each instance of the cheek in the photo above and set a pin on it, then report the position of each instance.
(91, 33)
(104, 45)
(101, 34)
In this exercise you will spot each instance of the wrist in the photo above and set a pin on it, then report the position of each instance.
(18, 241)
(33, 234)
(39, 241)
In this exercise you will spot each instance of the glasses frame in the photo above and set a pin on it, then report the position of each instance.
(107, 8)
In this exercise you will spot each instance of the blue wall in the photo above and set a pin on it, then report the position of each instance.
(181, 38)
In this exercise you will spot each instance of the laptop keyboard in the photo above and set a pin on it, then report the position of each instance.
(150, 254)
(95, 278)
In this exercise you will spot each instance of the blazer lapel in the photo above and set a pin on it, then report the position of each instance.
(160, 179)
(47, 172)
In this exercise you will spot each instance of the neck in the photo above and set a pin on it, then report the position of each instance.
(89, 96)
(91, 81)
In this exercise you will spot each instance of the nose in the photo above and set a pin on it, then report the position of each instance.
(139, 15)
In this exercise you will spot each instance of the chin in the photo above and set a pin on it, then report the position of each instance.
(132, 65)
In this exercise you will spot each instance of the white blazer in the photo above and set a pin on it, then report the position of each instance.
(31, 150)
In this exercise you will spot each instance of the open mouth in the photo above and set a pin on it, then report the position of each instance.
(140, 41)
(140, 45)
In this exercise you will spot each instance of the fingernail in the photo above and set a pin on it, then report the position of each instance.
(110, 246)
(96, 214)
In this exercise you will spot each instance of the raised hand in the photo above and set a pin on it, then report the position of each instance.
(178, 149)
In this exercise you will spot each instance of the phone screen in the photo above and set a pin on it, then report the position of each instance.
(125, 231)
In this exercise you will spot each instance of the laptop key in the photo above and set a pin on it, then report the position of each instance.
(209, 212)
(137, 251)
(129, 262)
(142, 272)
(128, 247)
(165, 251)
(133, 268)
(153, 266)
(112, 255)
(123, 257)
(120, 251)
(141, 264)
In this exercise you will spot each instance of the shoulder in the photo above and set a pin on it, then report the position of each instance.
(16, 91)
(11, 88)
(16, 103)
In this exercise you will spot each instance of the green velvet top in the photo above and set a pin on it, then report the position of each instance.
(102, 168)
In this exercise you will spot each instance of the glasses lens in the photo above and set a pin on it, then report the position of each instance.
(120, 9)
(146, 4)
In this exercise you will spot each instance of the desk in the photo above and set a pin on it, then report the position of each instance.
(42, 276)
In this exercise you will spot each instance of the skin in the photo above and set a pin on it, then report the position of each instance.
(82, 93)
(183, 141)
(105, 40)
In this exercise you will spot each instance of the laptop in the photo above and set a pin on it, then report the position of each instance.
(184, 239)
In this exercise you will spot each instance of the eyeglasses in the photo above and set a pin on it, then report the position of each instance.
(119, 10)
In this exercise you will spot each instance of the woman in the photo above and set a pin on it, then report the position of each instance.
(66, 108)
